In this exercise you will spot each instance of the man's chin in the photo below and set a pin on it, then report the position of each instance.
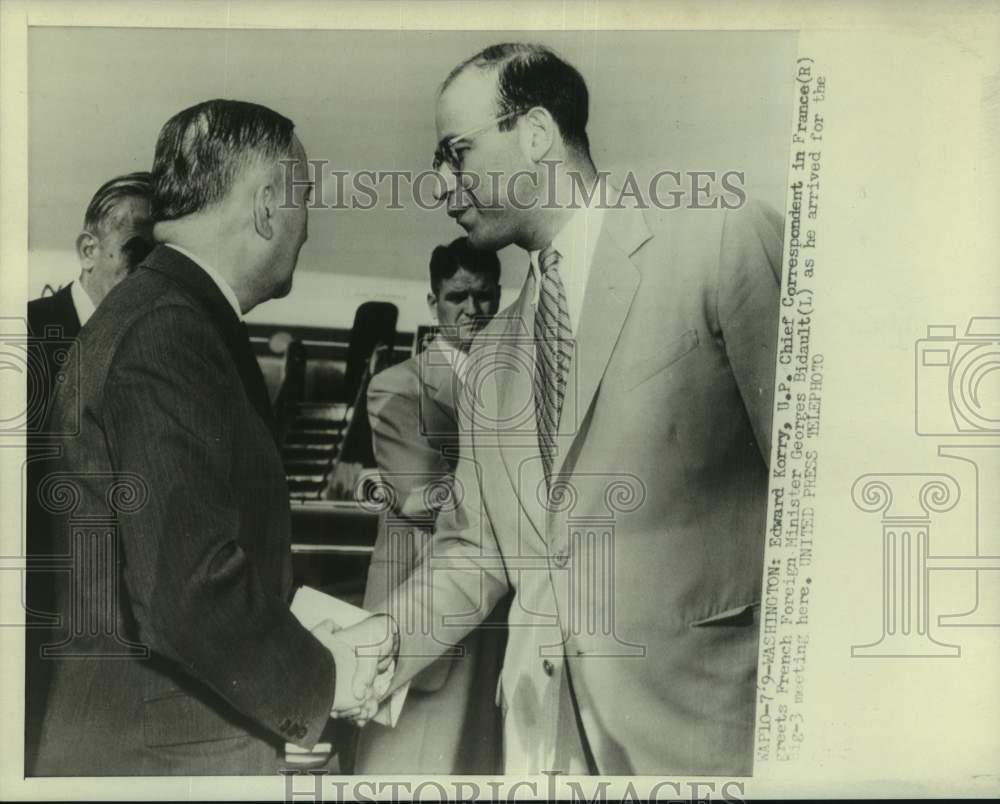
(484, 240)
(283, 290)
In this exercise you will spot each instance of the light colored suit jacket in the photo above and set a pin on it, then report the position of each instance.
(644, 571)
(450, 724)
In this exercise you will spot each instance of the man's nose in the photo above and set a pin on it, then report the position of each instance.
(447, 182)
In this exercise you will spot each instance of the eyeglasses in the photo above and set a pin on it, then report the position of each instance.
(445, 153)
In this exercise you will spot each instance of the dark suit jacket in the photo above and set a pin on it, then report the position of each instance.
(181, 655)
(51, 321)
(450, 723)
(52, 326)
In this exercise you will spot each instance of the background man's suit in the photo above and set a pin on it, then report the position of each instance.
(173, 395)
(52, 322)
(450, 723)
(47, 314)
(645, 576)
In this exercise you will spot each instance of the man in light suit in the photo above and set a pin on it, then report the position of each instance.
(178, 653)
(614, 445)
(450, 724)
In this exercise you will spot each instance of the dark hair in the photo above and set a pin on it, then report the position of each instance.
(533, 75)
(446, 260)
(202, 150)
(131, 185)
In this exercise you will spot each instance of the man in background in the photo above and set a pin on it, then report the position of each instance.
(117, 234)
(180, 654)
(450, 723)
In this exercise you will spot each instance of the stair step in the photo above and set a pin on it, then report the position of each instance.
(292, 451)
(296, 436)
(308, 466)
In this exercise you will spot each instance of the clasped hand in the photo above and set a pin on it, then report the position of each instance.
(365, 658)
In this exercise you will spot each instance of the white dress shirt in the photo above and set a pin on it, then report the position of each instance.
(575, 243)
(82, 302)
(456, 358)
(215, 276)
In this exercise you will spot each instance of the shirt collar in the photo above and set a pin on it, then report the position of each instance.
(215, 276)
(456, 358)
(82, 302)
(576, 241)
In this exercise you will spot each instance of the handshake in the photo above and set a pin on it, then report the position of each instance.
(365, 658)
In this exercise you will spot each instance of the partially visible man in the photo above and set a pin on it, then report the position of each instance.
(614, 455)
(450, 724)
(117, 234)
(179, 653)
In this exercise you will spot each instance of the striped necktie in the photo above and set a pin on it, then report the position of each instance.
(553, 351)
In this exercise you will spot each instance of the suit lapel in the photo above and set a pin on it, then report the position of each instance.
(606, 301)
(67, 316)
(517, 430)
(437, 380)
(200, 287)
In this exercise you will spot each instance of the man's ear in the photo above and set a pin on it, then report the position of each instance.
(265, 205)
(86, 246)
(432, 305)
(538, 133)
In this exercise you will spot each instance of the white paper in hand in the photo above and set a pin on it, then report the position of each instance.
(311, 607)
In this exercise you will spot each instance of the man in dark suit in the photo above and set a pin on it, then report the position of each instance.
(179, 653)
(614, 452)
(450, 724)
(117, 234)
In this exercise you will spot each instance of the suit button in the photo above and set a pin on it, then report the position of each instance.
(548, 667)
(561, 558)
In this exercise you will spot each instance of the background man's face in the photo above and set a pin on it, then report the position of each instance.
(113, 254)
(489, 157)
(292, 222)
(464, 304)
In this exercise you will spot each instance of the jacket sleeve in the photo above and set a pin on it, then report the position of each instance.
(457, 579)
(407, 461)
(749, 288)
(410, 465)
(195, 593)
